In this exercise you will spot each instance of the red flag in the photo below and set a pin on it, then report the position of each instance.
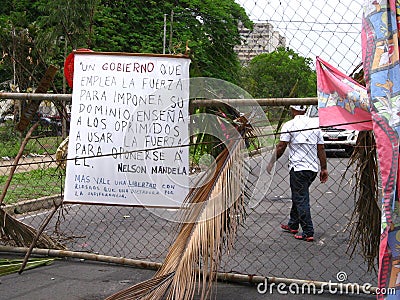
(69, 66)
(342, 102)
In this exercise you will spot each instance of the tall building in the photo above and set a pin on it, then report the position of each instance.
(262, 39)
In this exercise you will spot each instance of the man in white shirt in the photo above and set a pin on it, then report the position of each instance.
(306, 153)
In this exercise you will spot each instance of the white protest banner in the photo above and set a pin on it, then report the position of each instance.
(129, 130)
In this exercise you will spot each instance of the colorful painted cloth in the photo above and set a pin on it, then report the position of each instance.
(342, 102)
(380, 45)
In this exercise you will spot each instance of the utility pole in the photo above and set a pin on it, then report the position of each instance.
(170, 31)
(165, 32)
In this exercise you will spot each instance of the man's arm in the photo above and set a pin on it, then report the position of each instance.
(279, 150)
(323, 176)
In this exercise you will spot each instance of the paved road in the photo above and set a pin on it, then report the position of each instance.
(261, 248)
(71, 279)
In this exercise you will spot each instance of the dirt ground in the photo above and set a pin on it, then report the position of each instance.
(27, 163)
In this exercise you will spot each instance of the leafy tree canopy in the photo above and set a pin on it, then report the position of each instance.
(17, 33)
(281, 73)
(35, 34)
(208, 27)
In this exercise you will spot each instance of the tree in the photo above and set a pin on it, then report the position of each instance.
(65, 25)
(18, 66)
(53, 29)
(209, 27)
(282, 73)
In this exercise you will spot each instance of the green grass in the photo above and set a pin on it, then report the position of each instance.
(10, 142)
(44, 145)
(33, 184)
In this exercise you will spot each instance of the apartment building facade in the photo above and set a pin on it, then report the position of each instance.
(261, 39)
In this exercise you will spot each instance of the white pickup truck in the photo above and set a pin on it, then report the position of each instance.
(335, 139)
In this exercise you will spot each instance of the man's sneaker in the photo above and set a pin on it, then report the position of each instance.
(288, 229)
(304, 237)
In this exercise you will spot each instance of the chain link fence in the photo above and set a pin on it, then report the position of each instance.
(311, 28)
(261, 246)
(330, 29)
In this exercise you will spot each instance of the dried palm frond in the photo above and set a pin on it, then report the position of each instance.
(358, 74)
(213, 214)
(365, 221)
(366, 217)
(22, 234)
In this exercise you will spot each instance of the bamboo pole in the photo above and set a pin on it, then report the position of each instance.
(35, 97)
(222, 276)
(84, 255)
(196, 102)
(260, 101)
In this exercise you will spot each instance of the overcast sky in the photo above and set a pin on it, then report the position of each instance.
(330, 29)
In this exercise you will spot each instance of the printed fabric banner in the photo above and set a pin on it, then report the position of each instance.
(342, 102)
(380, 49)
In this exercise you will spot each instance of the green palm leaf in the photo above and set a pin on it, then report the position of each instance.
(9, 266)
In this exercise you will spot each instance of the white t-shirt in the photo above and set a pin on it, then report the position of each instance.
(303, 135)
